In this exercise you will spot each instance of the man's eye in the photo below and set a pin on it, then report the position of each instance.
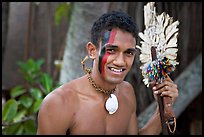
(110, 50)
(130, 53)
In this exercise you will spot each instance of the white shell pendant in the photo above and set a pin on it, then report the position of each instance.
(112, 104)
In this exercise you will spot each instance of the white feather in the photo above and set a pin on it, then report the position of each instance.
(145, 38)
(160, 32)
(173, 41)
(145, 58)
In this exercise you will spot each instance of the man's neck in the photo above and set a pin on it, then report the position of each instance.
(100, 82)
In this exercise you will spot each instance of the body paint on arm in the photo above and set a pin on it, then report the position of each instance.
(109, 37)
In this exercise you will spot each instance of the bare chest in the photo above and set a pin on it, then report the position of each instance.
(92, 118)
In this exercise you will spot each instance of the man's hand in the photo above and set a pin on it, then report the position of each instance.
(166, 88)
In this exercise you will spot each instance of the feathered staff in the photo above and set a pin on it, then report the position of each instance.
(158, 57)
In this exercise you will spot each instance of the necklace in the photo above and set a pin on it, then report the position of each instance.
(111, 104)
(99, 89)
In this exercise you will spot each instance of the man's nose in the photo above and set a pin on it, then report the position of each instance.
(119, 60)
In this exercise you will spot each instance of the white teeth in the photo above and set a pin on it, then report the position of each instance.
(116, 70)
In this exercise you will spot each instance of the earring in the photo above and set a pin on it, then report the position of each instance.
(86, 70)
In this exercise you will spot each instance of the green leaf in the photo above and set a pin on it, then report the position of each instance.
(36, 105)
(9, 110)
(39, 62)
(47, 82)
(30, 69)
(31, 65)
(25, 70)
(17, 91)
(36, 93)
(22, 65)
(13, 129)
(26, 101)
(19, 116)
(61, 11)
(30, 127)
(20, 130)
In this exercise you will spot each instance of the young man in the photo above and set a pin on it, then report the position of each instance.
(101, 102)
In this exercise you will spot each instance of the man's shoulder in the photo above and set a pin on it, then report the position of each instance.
(64, 94)
(127, 91)
(71, 88)
(127, 85)
(127, 88)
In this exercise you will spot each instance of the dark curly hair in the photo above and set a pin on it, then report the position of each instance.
(113, 19)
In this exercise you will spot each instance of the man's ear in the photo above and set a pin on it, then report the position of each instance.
(91, 48)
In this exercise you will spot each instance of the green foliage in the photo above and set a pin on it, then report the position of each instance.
(20, 111)
(31, 70)
(10, 110)
(62, 10)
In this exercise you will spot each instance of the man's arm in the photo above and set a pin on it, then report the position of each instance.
(166, 88)
(133, 125)
(52, 117)
(153, 127)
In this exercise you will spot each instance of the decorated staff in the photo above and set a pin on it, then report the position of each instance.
(158, 58)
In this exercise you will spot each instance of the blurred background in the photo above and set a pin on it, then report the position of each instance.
(43, 44)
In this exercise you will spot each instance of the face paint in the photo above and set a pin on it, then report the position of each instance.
(109, 37)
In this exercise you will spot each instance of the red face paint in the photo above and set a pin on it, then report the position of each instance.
(109, 37)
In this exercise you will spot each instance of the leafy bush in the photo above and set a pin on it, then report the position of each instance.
(19, 114)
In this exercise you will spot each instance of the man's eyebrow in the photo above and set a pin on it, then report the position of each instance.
(131, 49)
(111, 46)
(115, 46)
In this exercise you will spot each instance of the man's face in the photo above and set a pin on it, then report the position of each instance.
(116, 55)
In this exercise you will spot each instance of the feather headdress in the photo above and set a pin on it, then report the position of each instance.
(161, 33)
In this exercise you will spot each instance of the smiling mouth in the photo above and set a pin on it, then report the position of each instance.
(116, 70)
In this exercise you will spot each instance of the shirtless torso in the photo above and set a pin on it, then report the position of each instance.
(77, 112)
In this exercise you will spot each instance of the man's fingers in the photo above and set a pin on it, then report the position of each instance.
(165, 84)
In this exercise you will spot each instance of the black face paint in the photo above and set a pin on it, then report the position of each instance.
(109, 37)
(103, 49)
